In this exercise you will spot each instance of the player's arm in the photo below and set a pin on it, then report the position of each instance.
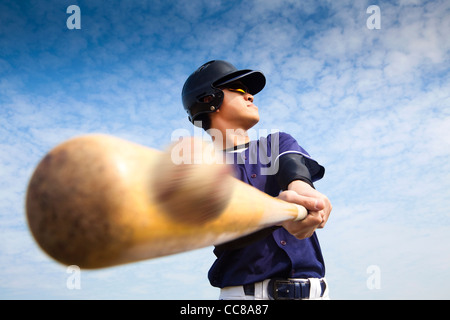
(294, 177)
(312, 198)
(317, 204)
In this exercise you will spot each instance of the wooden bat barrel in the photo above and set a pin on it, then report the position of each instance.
(97, 201)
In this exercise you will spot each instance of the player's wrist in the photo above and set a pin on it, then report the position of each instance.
(299, 186)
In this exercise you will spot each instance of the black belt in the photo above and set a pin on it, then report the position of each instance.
(286, 289)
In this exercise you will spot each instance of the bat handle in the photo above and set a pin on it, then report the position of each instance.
(302, 212)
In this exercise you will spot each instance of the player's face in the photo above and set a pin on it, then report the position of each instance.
(238, 107)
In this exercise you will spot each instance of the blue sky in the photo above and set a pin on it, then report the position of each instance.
(372, 106)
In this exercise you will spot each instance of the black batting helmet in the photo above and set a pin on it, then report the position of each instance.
(202, 94)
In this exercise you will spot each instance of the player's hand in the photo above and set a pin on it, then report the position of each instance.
(313, 200)
(317, 204)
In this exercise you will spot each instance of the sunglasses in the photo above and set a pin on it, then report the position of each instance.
(237, 90)
(237, 87)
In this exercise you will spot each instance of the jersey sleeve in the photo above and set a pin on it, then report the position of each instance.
(293, 162)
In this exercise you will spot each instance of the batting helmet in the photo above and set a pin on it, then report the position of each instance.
(202, 94)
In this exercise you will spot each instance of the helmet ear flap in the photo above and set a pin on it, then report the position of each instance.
(206, 102)
(211, 101)
(208, 97)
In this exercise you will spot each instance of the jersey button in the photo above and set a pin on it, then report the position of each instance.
(253, 175)
(283, 243)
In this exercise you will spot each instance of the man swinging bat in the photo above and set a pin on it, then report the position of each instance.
(281, 262)
(98, 201)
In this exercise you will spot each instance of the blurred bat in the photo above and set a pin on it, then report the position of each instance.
(97, 201)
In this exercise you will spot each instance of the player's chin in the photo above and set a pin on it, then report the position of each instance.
(248, 118)
(253, 116)
(252, 122)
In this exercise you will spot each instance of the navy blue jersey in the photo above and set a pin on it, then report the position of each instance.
(277, 254)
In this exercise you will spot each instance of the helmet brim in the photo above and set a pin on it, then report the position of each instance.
(253, 80)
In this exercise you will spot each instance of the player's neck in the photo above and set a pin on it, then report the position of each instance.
(236, 137)
(230, 138)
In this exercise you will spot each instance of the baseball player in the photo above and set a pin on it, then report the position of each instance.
(282, 262)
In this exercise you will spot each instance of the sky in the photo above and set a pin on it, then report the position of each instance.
(372, 105)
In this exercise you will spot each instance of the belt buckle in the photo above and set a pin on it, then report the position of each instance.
(277, 292)
(281, 289)
(288, 290)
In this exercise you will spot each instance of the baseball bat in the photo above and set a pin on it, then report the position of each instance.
(98, 201)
